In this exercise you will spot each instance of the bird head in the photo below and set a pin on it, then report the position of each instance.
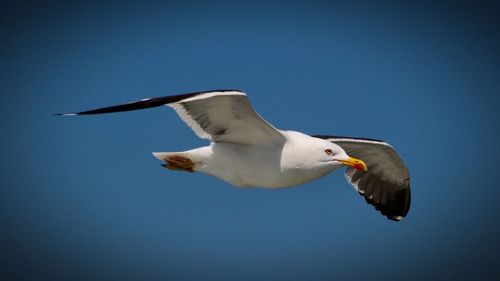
(335, 154)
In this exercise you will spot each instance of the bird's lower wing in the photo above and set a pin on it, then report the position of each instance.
(386, 184)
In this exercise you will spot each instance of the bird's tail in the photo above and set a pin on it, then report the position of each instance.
(176, 161)
(163, 156)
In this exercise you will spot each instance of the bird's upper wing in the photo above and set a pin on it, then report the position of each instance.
(386, 184)
(220, 116)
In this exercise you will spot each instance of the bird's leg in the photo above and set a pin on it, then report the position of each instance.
(179, 163)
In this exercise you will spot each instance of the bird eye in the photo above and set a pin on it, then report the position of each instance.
(328, 151)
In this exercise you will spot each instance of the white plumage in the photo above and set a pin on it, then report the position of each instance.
(247, 151)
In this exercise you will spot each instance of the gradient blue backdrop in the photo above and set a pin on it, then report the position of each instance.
(82, 198)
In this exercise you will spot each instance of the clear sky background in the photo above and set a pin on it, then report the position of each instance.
(82, 198)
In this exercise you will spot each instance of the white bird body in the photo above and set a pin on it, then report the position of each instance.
(277, 166)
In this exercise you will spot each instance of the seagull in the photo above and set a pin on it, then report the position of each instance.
(247, 151)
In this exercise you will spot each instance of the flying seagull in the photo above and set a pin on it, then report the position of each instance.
(246, 151)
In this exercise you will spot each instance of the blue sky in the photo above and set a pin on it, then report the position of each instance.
(83, 198)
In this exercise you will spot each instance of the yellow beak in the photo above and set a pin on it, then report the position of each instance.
(355, 163)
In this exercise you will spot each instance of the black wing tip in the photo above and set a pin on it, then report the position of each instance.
(64, 114)
(395, 218)
(395, 210)
(90, 112)
(389, 214)
(144, 103)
